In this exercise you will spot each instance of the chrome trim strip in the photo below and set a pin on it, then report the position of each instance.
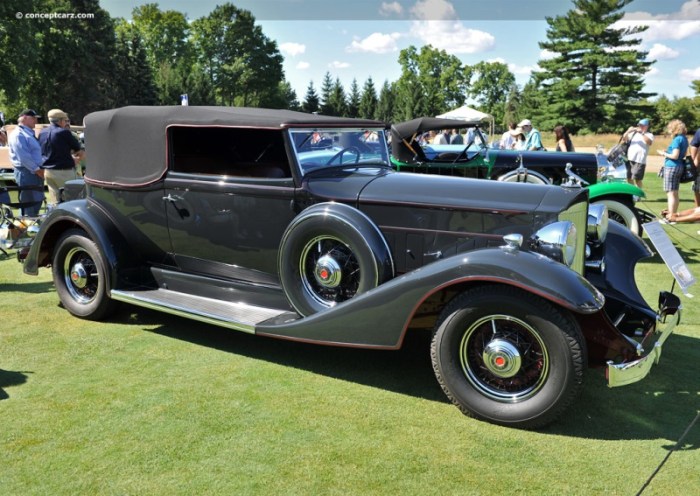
(622, 374)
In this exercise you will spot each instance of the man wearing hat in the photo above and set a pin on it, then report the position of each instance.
(640, 139)
(58, 145)
(533, 139)
(25, 155)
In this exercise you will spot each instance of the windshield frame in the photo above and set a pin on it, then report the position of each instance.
(322, 148)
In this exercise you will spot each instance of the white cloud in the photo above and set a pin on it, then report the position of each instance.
(338, 65)
(375, 43)
(675, 26)
(662, 52)
(293, 49)
(653, 71)
(389, 9)
(518, 70)
(437, 25)
(303, 65)
(433, 10)
(522, 70)
(453, 36)
(548, 54)
(690, 74)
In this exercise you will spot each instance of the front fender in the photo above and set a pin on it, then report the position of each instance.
(623, 250)
(600, 190)
(380, 317)
(86, 216)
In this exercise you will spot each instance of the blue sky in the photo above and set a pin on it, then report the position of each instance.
(363, 38)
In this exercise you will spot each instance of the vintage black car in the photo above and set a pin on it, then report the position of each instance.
(476, 158)
(296, 226)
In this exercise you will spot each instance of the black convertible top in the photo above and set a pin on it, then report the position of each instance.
(406, 130)
(128, 146)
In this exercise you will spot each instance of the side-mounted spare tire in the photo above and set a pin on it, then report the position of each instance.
(330, 253)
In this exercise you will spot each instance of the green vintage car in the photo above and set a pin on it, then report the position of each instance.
(476, 159)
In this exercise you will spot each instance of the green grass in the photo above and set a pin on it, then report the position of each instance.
(152, 404)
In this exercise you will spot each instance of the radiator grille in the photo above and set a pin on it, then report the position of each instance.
(578, 214)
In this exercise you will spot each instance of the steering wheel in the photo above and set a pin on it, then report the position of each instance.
(351, 149)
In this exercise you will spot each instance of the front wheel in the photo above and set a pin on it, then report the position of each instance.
(622, 213)
(508, 357)
(80, 277)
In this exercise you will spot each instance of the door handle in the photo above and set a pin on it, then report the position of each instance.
(172, 198)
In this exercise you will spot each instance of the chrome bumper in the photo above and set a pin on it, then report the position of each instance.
(621, 374)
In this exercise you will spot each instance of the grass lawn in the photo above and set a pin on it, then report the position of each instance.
(148, 403)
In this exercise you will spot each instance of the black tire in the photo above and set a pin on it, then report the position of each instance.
(329, 255)
(508, 357)
(80, 276)
(623, 213)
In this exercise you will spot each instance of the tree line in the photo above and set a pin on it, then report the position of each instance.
(593, 82)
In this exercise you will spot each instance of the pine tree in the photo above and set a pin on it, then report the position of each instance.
(337, 103)
(326, 94)
(386, 104)
(368, 100)
(596, 78)
(353, 107)
(311, 102)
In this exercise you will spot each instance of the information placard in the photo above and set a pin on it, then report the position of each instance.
(664, 246)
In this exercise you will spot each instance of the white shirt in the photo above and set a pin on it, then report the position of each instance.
(440, 139)
(639, 149)
(507, 141)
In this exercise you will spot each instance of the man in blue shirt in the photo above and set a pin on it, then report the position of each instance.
(25, 155)
(533, 140)
(57, 148)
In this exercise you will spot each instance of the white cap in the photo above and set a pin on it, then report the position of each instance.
(525, 122)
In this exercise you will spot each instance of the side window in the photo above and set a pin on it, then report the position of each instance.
(228, 151)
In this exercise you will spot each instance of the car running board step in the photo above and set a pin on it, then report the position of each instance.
(238, 316)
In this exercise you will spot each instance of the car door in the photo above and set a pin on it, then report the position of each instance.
(226, 226)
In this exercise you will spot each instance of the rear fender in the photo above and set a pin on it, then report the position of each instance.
(86, 216)
(394, 303)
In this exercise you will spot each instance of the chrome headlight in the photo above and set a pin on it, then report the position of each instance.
(557, 241)
(597, 228)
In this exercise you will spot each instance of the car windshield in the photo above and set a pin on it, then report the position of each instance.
(318, 148)
(472, 142)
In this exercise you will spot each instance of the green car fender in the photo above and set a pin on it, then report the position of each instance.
(600, 190)
(620, 200)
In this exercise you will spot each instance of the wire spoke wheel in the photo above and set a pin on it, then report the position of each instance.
(504, 358)
(507, 356)
(80, 275)
(330, 271)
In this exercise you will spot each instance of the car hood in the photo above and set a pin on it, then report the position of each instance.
(459, 193)
(381, 186)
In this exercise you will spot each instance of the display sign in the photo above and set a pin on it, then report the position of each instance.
(664, 246)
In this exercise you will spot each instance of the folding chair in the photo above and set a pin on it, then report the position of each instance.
(17, 231)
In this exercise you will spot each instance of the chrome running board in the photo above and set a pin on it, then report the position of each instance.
(238, 316)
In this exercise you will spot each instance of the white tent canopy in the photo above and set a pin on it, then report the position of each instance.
(466, 113)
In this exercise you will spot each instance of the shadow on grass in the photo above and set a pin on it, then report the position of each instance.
(406, 371)
(10, 378)
(31, 287)
(660, 406)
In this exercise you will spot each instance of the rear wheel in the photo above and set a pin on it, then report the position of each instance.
(508, 357)
(79, 274)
